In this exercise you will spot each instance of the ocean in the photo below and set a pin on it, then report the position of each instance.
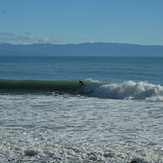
(47, 117)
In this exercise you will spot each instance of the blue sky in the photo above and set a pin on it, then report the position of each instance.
(78, 21)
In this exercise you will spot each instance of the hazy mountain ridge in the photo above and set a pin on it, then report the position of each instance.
(83, 49)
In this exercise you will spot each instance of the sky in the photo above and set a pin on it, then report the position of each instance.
(80, 21)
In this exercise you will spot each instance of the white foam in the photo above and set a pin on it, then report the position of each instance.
(126, 90)
(65, 128)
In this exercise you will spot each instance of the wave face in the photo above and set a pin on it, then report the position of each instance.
(37, 85)
(125, 90)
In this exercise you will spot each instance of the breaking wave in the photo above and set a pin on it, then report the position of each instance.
(126, 90)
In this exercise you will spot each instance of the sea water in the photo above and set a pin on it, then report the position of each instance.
(117, 117)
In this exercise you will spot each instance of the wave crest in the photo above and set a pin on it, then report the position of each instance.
(125, 90)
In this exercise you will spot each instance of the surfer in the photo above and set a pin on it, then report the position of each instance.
(81, 84)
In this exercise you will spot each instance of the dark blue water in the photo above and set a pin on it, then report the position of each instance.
(111, 69)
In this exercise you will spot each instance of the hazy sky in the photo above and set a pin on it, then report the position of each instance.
(78, 21)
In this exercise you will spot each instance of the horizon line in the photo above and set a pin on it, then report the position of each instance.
(81, 43)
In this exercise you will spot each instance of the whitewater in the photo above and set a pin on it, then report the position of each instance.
(46, 116)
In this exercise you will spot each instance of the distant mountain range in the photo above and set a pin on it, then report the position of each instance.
(83, 49)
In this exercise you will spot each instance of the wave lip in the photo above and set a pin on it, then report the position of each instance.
(125, 90)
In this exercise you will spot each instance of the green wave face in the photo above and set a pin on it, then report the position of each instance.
(35, 85)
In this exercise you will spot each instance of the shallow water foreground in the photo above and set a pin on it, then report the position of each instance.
(39, 128)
